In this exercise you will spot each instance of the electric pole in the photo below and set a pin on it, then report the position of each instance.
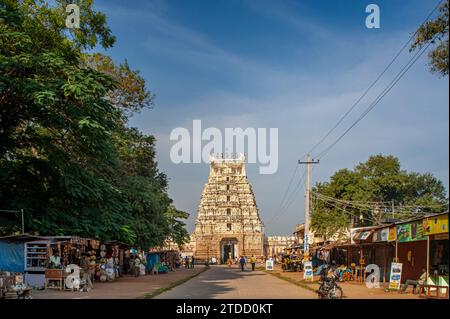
(393, 211)
(307, 201)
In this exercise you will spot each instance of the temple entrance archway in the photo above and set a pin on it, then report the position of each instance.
(228, 248)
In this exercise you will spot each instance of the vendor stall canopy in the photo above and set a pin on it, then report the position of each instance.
(12, 252)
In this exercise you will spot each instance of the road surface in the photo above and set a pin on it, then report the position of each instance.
(221, 282)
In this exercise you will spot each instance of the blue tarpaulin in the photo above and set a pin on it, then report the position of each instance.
(152, 260)
(12, 256)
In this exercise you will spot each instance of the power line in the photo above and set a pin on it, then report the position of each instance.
(289, 201)
(285, 195)
(287, 190)
(396, 79)
(373, 83)
(413, 209)
(297, 189)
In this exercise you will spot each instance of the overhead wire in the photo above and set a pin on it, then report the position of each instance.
(394, 81)
(374, 82)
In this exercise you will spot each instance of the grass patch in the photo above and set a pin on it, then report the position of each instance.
(159, 291)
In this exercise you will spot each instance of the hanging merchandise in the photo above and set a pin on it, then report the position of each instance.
(94, 244)
(115, 251)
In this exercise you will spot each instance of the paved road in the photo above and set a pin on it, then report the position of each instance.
(221, 282)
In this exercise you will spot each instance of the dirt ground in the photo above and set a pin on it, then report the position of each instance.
(352, 289)
(126, 287)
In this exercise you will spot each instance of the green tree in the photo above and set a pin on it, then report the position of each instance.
(131, 93)
(372, 187)
(67, 156)
(435, 31)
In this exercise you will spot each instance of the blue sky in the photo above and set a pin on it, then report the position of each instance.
(293, 65)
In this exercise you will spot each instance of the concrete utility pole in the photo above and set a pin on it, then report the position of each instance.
(307, 201)
(393, 211)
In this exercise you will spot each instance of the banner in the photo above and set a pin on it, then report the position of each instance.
(269, 264)
(381, 235)
(436, 225)
(306, 243)
(403, 233)
(410, 232)
(396, 276)
(308, 270)
(384, 234)
(392, 236)
(417, 231)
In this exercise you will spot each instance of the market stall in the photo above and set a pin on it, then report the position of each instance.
(436, 230)
(411, 249)
(109, 260)
(117, 250)
(162, 261)
(51, 260)
(292, 260)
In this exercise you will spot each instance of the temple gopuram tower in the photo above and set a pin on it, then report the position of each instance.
(228, 222)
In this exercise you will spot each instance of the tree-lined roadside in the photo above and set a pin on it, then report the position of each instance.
(369, 191)
(67, 155)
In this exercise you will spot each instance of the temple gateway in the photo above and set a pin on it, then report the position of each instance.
(228, 223)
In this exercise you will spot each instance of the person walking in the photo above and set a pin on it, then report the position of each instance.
(192, 261)
(186, 262)
(229, 260)
(253, 262)
(242, 263)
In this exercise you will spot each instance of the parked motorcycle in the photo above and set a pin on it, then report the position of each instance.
(329, 289)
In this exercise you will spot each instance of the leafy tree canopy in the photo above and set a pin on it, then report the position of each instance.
(372, 187)
(435, 31)
(67, 156)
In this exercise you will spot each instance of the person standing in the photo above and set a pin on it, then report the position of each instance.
(192, 261)
(253, 262)
(229, 260)
(137, 266)
(242, 262)
(84, 263)
(186, 262)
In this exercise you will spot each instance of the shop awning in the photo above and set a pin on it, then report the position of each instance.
(363, 236)
(330, 246)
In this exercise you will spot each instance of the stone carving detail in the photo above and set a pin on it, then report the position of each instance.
(228, 222)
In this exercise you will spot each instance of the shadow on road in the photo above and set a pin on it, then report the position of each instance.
(210, 284)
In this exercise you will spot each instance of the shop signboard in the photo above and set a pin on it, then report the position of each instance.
(381, 235)
(441, 236)
(417, 231)
(376, 236)
(410, 232)
(396, 276)
(364, 235)
(392, 236)
(384, 234)
(436, 224)
(308, 270)
(355, 234)
(269, 264)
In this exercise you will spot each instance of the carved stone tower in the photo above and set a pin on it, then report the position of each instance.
(228, 222)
